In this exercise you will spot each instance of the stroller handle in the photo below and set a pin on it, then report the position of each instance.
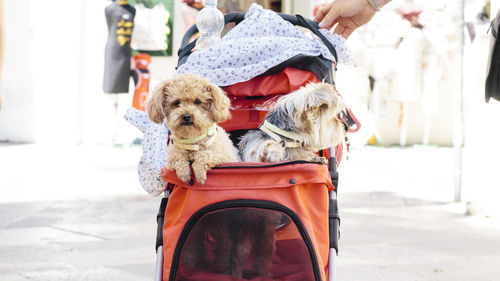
(237, 17)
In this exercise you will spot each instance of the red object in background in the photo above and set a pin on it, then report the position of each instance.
(317, 8)
(197, 4)
(409, 9)
(141, 78)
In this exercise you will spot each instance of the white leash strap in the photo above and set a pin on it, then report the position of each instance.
(275, 136)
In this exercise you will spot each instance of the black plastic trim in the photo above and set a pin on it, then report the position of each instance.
(320, 66)
(314, 27)
(160, 218)
(266, 165)
(261, 204)
(334, 174)
(334, 224)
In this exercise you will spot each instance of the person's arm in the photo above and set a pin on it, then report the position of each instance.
(2, 45)
(349, 14)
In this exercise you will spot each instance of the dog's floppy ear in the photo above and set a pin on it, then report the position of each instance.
(219, 105)
(156, 102)
(321, 96)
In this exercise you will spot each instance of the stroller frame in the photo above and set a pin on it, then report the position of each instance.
(333, 212)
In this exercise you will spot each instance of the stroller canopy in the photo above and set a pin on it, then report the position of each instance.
(260, 42)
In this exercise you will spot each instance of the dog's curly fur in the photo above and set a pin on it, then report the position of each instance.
(205, 104)
(310, 112)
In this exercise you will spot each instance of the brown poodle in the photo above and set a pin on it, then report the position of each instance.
(193, 106)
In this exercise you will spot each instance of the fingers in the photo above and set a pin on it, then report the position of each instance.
(344, 31)
(330, 19)
(322, 12)
(330, 15)
(339, 29)
(347, 32)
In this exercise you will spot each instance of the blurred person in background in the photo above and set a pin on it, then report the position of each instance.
(409, 65)
(2, 46)
(417, 57)
(376, 53)
(348, 15)
(418, 62)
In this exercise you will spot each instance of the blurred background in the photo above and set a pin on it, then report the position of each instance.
(426, 152)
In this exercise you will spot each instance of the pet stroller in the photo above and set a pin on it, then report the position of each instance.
(256, 221)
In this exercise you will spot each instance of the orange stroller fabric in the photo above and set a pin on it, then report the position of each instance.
(299, 186)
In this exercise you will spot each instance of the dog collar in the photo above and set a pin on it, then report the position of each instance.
(209, 132)
(192, 143)
(276, 133)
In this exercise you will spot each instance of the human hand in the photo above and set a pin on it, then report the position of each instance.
(348, 14)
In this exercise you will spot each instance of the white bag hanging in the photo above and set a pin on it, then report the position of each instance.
(150, 28)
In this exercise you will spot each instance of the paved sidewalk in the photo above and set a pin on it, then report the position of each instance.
(410, 239)
(78, 240)
(34, 172)
(405, 239)
(396, 224)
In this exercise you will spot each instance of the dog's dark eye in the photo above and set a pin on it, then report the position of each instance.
(176, 103)
(197, 101)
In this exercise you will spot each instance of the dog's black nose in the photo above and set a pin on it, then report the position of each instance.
(187, 118)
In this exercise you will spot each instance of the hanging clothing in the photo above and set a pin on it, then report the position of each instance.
(150, 28)
(154, 151)
(120, 20)
(258, 43)
(142, 79)
(409, 67)
(141, 91)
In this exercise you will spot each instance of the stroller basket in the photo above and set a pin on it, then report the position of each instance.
(282, 204)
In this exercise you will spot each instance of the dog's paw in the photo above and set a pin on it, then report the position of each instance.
(201, 176)
(320, 160)
(200, 169)
(273, 152)
(184, 174)
(274, 156)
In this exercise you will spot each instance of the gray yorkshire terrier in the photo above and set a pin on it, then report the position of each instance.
(302, 123)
